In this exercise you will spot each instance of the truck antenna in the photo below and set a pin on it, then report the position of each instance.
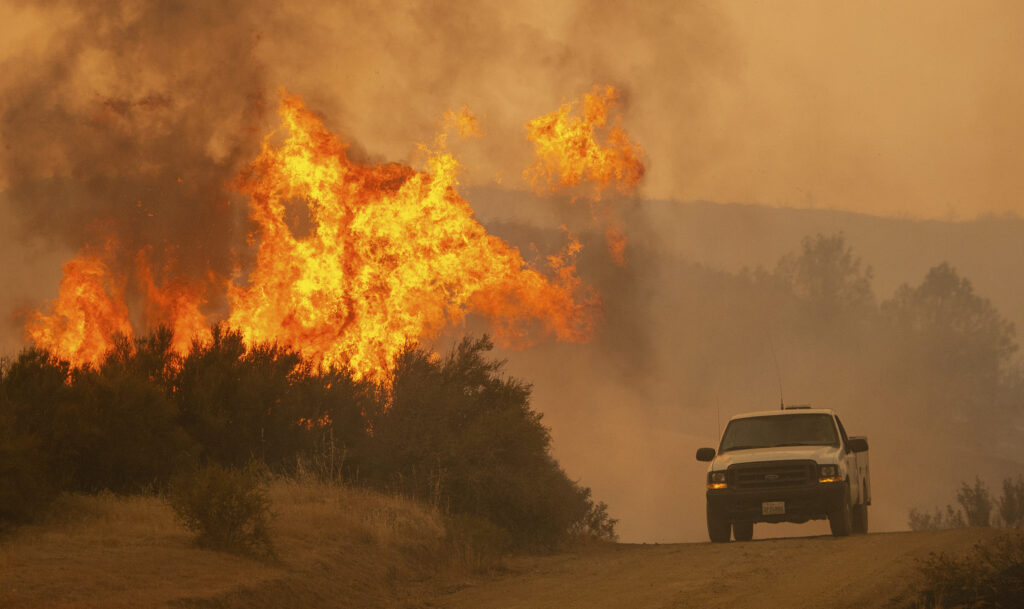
(718, 416)
(778, 371)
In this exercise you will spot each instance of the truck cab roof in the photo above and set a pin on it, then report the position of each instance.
(771, 413)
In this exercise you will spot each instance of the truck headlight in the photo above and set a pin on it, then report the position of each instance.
(829, 473)
(716, 480)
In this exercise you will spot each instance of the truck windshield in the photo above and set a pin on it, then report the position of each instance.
(780, 430)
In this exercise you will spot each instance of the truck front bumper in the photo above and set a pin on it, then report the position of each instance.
(800, 504)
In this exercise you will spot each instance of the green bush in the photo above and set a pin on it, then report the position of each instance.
(108, 428)
(597, 524)
(464, 438)
(990, 576)
(265, 403)
(451, 431)
(226, 508)
(25, 487)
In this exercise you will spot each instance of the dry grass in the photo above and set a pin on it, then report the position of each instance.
(336, 547)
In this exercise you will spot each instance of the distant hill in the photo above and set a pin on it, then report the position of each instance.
(988, 251)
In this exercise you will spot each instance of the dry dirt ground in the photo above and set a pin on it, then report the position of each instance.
(349, 548)
(863, 571)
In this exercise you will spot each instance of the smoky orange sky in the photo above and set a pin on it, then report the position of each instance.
(903, 108)
(888, 108)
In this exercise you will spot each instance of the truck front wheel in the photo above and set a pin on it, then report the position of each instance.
(743, 531)
(840, 518)
(719, 526)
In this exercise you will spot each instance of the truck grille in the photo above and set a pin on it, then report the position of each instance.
(772, 474)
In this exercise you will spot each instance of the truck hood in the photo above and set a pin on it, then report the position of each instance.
(818, 454)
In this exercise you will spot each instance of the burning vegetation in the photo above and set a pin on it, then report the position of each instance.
(310, 352)
(570, 150)
(355, 262)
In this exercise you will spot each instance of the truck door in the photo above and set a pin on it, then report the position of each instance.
(852, 466)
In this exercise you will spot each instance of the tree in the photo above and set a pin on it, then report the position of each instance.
(963, 332)
(461, 436)
(1011, 504)
(954, 352)
(828, 279)
(976, 502)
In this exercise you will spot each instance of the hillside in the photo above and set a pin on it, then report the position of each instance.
(729, 237)
(338, 547)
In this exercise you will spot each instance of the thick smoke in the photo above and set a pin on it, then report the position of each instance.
(131, 121)
(134, 119)
(691, 338)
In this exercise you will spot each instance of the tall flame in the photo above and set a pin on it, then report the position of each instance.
(388, 258)
(393, 256)
(89, 312)
(91, 308)
(569, 150)
(175, 305)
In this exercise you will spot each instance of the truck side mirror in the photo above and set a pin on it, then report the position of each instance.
(705, 454)
(858, 444)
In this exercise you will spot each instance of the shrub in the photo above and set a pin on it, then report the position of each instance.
(1011, 504)
(266, 403)
(597, 523)
(121, 434)
(226, 508)
(112, 427)
(990, 576)
(462, 437)
(923, 521)
(976, 502)
(25, 487)
(475, 543)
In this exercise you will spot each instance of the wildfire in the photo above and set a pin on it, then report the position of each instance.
(394, 255)
(91, 308)
(90, 311)
(176, 305)
(391, 256)
(569, 150)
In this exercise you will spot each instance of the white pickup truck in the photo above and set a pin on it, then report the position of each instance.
(790, 465)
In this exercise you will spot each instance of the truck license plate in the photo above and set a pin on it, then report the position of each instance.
(769, 508)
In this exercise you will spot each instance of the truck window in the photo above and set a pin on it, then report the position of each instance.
(780, 430)
(842, 431)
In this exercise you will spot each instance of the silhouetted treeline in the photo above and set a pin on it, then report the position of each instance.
(933, 347)
(930, 369)
(978, 508)
(453, 431)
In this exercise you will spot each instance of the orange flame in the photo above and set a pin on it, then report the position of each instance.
(394, 255)
(568, 148)
(176, 306)
(91, 309)
(89, 312)
(463, 121)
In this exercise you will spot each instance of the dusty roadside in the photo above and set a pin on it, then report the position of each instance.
(815, 572)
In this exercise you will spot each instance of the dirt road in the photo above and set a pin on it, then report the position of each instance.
(860, 572)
